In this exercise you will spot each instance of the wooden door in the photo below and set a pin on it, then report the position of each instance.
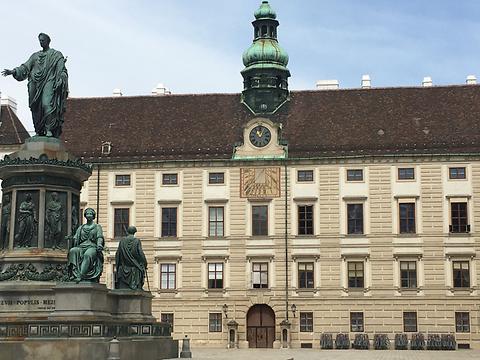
(260, 326)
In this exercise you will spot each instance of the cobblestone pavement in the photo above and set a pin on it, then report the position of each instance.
(310, 354)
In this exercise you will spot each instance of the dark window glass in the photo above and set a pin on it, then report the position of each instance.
(170, 179)
(305, 175)
(407, 218)
(305, 275)
(122, 180)
(406, 173)
(410, 321)
(355, 218)
(461, 274)
(355, 175)
(459, 217)
(462, 322)
(260, 275)
(355, 274)
(356, 321)
(215, 322)
(305, 220)
(169, 222)
(306, 322)
(215, 221)
(215, 275)
(408, 274)
(457, 173)
(121, 222)
(260, 220)
(167, 276)
(167, 318)
(216, 178)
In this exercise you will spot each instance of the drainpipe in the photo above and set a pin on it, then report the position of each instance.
(286, 243)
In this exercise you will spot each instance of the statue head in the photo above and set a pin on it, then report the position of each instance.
(89, 214)
(44, 40)
(54, 196)
(131, 230)
(28, 197)
(6, 199)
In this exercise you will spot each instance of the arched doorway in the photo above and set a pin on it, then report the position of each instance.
(260, 326)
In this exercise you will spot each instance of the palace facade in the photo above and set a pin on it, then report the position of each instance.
(333, 211)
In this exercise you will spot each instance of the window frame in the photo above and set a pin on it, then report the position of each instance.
(406, 325)
(407, 221)
(217, 281)
(358, 282)
(121, 183)
(302, 176)
(352, 175)
(463, 283)
(462, 326)
(168, 276)
(306, 321)
(355, 221)
(167, 179)
(403, 175)
(459, 224)
(217, 224)
(453, 173)
(305, 225)
(357, 321)
(117, 233)
(215, 322)
(261, 270)
(165, 317)
(258, 227)
(408, 278)
(305, 272)
(214, 179)
(165, 232)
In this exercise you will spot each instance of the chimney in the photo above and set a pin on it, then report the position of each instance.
(9, 101)
(161, 90)
(366, 82)
(471, 80)
(117, 92)
(327, 85)
(427, 81)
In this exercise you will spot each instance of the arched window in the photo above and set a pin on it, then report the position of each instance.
(257, 32)
(264, 30)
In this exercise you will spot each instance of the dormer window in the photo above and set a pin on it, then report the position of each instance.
(106, 148)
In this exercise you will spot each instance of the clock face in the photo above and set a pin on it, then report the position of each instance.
(260, 136)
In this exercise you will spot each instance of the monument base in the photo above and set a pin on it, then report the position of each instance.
(85, 318)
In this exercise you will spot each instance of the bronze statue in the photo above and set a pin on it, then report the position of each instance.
(85, 258)
(6, 211)
(53, 221)
(130, 262)
(47, 87)
(27, 223)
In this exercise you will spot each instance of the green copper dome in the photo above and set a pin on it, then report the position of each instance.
(265, 51)
(265, 11)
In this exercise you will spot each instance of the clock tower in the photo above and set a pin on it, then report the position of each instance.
(265, 77)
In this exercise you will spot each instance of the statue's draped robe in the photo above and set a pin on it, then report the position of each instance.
(47, 89)
(6, 210)
(53, 222)
(26, 225)
(85, 260)
(131, 263)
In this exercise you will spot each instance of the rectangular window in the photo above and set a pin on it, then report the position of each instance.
(305, 175)
(215, 221)
(121, 222)
(260, 275)
(215, 322)
(216, 178)
(305, 275)
(461, 274)
(356, 322)
(355, 175)
(410, 321)
(355, 274)
(305, 220)
(260, 220)
(215, 275)
(122, 180)
(462, 322)
(408, 274)
(169, 179)
(167, 276)
(459, 217)
(407, 218)
(456, 173)
(406, 173)
(169, 222)
(355, 218)
(306, 322)
(167, 318)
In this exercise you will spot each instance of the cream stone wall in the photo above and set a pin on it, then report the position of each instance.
(381, 248)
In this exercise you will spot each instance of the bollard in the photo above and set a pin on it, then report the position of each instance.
(114, 349)
(186, 353)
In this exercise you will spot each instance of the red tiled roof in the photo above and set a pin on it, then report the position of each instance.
(12, 131)
(442, 119)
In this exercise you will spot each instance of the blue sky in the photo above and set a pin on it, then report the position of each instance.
(196, 46)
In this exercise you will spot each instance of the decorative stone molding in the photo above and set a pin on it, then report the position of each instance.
(28, 272)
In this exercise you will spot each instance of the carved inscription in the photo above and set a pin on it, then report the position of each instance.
(8, 304)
